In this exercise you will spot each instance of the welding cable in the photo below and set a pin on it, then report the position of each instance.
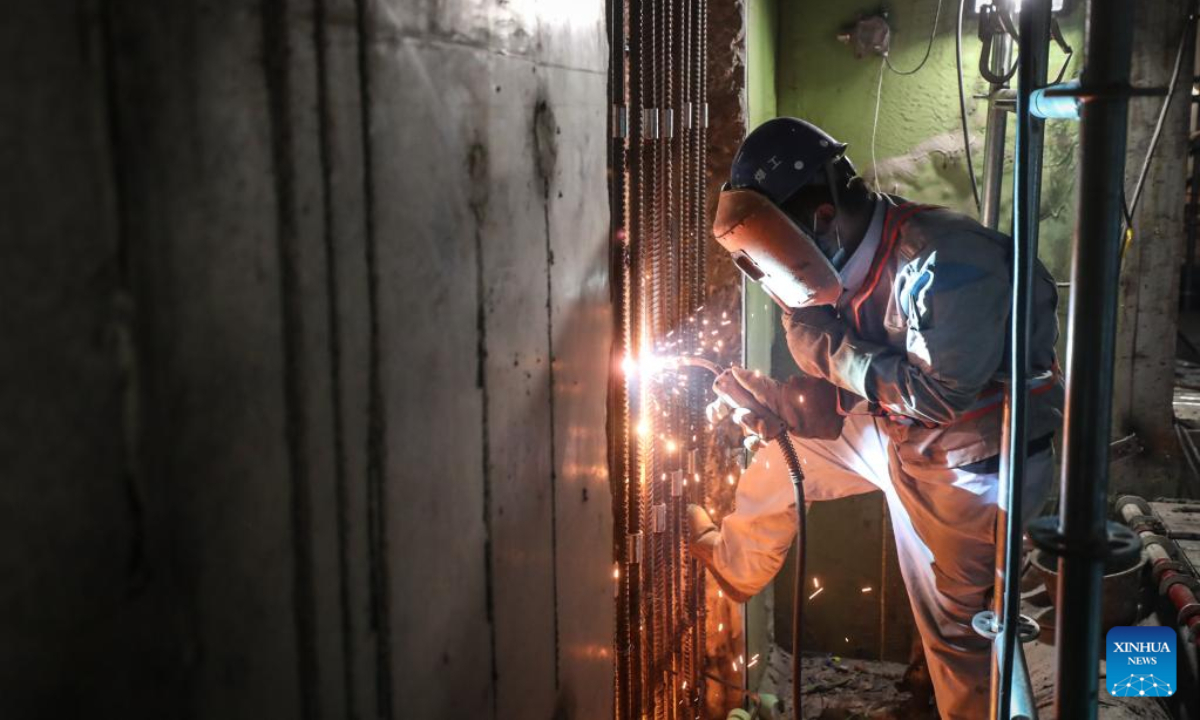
(875, 125)
(797, 474)
(937, 15)
(962, 105)
(1057, 34)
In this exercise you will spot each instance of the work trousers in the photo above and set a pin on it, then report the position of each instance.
(944, 521)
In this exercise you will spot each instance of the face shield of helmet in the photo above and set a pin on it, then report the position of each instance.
(814, 211)
(774, 251)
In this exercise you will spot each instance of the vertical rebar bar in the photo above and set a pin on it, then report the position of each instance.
(637, 700)
(657, 193)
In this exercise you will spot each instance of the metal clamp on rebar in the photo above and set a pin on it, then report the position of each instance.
(1121, 547)
(633, 548)
(620, 121)
(658, 518)
(649, 123)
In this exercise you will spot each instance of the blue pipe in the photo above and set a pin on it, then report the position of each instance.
(1050, 103)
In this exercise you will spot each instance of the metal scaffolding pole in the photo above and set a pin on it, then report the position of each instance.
(1027, 180)
(1090, 346)
(997, 127)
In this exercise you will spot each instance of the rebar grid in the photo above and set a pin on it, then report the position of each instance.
(658, 158)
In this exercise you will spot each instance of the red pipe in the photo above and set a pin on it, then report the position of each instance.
(1179, 594)
(1137, 514)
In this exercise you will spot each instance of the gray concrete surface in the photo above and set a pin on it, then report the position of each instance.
(307, 321)
(1144, 377)
(74, 555)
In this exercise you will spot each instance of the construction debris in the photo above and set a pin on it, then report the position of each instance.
(836, 688)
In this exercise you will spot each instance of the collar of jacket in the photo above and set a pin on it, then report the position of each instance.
(896, 214)
(855, 271)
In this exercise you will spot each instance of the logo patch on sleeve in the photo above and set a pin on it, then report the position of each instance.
(1140, 662)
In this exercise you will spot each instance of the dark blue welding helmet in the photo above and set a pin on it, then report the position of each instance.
(783, 155)
(770, 247)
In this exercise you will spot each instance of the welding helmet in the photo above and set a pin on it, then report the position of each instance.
(776, 250)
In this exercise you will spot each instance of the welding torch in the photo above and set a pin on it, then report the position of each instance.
(759, 421)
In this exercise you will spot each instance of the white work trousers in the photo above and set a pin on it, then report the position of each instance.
(945, 525)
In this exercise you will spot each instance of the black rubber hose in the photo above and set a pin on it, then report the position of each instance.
(797, 473)
(962, 107)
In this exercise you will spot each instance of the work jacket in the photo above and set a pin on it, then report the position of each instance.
(926, 342)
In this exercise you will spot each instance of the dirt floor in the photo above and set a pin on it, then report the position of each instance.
(843, 689)
(840, 688)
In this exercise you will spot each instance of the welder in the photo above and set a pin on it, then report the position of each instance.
(896, 316)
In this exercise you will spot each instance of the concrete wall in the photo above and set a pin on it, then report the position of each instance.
(1144, 380)
(308, 323)
(79, 588)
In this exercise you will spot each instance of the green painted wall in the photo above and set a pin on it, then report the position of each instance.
(760, 314)
(918, 144)
(762, 46)
(762, 49)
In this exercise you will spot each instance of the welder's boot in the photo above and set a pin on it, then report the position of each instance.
(703, 538)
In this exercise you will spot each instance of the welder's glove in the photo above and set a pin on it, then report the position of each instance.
(824, 346)
(807, 405)
(703, 540)
(700, 523)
